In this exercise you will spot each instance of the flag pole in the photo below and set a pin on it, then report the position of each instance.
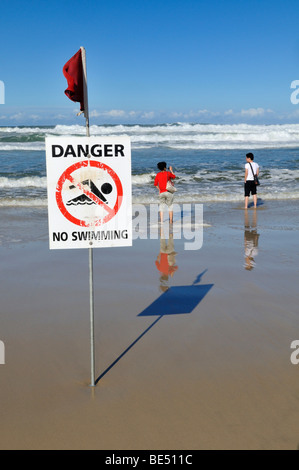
(85, 95)
(91, 294)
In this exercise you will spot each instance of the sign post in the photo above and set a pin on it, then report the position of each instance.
(91, 295)
(91, 314)
(89, 199)
(89, 187)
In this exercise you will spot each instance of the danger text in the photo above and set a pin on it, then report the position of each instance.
(96, 150)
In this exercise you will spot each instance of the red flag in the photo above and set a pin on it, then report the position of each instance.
(73, 72)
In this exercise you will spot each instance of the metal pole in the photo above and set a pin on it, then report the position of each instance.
(91, 303)
(86, 112)
(91, 294)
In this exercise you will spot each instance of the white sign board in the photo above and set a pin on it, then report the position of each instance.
(89, 192)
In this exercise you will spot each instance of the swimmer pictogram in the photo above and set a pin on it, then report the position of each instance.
(89, 193)
(106, 188)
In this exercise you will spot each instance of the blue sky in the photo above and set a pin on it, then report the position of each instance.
(153, 61)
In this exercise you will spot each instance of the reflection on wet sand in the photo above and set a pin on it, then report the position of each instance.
(166, 259)
(251, 238)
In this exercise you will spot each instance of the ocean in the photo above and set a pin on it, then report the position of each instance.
(207, 159)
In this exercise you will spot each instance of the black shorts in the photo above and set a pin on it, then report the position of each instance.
(249, 187)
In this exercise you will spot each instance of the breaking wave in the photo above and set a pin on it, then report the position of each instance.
(179, 136)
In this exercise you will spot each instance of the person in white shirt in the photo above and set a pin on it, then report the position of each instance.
(251, 169)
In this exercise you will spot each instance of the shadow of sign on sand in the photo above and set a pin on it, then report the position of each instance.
(177, 300)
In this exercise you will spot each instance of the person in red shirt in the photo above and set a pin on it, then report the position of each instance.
(165, 197)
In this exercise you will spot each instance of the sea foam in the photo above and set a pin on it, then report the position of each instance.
(177, 136)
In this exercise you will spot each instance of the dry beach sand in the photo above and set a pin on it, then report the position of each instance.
(216, 376)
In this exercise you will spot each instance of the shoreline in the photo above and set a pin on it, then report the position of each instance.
(237, 199)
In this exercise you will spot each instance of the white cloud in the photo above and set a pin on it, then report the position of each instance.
(293, 115)
(49, 116)
(17, 117)
(133, 113)
(120, 113)
(253, 112)
(200, 113)
(60, 116)
(94, 113)
(148, 115)
(114, 113)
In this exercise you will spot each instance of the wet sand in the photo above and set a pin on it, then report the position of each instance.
(214, 372)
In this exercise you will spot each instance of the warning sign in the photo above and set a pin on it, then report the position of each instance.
(89, 192)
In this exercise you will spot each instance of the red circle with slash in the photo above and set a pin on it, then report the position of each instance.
(67, 175)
